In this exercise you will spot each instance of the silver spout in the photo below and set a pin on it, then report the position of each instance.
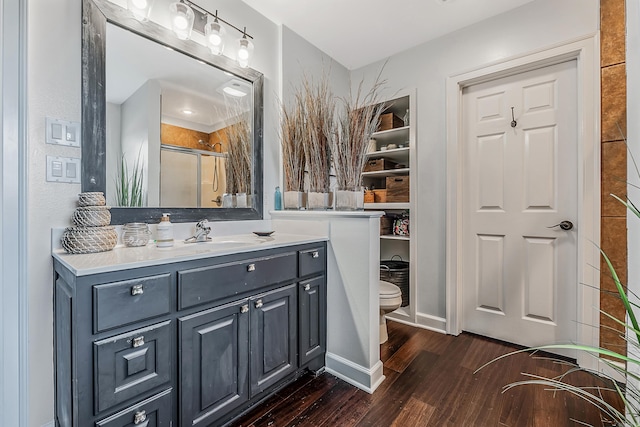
(201, 234)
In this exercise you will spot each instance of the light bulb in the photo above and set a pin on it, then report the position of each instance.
(182, 17)
(180, 22)
(244, 52)
(215, 32)
(215, 39)
(140, 4)
(140, 8)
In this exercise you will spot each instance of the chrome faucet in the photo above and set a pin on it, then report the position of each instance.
(201, 234)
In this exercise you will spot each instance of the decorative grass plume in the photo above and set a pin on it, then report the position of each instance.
(357, 122)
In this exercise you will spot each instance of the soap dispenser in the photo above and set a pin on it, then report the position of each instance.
(164, 237)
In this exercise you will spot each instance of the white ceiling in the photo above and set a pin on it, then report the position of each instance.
(358, 32)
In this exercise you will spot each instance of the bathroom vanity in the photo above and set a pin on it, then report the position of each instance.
(192, 335)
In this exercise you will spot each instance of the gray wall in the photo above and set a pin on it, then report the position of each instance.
(537, 25)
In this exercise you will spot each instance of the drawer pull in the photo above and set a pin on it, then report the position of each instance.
(259, 303)
(137, 290)
(244, 308)
(138, 341)
(139, 417)
(307, 287)
(251, 267)
(399, 179)
(315, 254)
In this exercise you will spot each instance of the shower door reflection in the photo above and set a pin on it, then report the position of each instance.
(191, 178)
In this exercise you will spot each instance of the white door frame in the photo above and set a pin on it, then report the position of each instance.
(13, 214)
(586, 53)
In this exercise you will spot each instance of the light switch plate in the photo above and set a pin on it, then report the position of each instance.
(63, 169)
(62, 132)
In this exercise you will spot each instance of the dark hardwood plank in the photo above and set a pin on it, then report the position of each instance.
(430, 381)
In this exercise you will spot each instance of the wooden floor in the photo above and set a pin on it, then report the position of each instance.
(430, 382)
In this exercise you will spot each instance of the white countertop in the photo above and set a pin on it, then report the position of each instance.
(122, 258)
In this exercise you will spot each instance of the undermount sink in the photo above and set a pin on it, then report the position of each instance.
(215, 244)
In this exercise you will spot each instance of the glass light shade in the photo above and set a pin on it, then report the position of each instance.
(140, 8)
(182, 17)
(245, 52)
(214, 33)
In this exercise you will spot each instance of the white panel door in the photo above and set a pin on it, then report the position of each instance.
(519, 276)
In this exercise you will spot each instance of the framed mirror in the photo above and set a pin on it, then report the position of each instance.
(166, 125)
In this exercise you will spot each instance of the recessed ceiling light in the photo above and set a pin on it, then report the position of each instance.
(234, 87)
(233, 92)
(187, 112)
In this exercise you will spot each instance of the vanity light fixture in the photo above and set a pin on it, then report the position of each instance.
(209, 24)
(214, 33)
(140, 8)
(245, 50)
(182, 17)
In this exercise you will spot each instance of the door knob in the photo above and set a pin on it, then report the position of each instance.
(565, 225)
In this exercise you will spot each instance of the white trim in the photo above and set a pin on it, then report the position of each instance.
(357, 375)
(13, 215)
(586, 52)
(423, 321)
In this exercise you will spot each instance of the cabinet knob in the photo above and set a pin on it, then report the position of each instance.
(307, 287)
(138, 341)
(251, 267)
(244, 308)
(259, 303)
(137, 290)
(139, 417)
(315, 254)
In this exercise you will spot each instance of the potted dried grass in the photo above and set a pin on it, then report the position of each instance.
(291, 133)
(358, 121)
(317, 103)
(238, 165)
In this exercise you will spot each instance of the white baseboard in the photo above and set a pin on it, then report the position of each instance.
(357, 375)
(433, 323)
(424, 321)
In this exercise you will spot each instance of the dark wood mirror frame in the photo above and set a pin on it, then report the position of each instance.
(95, 15)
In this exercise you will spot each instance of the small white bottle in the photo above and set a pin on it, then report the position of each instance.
(164, 235)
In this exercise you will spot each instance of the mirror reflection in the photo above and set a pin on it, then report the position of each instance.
(178, 130)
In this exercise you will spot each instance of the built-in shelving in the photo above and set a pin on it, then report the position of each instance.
(387, 172)
(387, 206)
(398, 145)
(394, 237)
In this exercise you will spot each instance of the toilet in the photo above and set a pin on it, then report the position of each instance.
(390, 300)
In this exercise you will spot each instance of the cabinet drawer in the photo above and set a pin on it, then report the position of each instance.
(153, 412)
(207, 284)
(130, 364)
(120, 303)
(311, 261)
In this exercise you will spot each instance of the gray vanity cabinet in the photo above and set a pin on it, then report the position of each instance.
(189, 343)
(312, 303)
(273, 337)
(214, 354)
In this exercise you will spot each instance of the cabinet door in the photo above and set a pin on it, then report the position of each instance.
(214, 358)
(273, 337)
(312, 303)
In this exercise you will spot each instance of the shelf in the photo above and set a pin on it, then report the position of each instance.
(386, 172)
(396, 136)
(397, 154)
(399, 206)
(394, 237)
